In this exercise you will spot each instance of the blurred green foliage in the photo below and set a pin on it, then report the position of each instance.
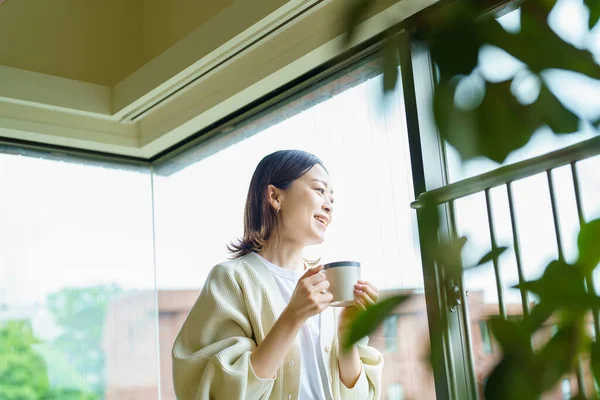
(70, 366)
(24, 370)
(487, 119)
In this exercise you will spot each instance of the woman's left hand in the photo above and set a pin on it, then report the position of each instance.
(366, 294)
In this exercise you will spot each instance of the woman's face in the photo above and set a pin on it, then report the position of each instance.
(306, 208)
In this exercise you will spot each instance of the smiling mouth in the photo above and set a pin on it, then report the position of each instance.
(322, 221)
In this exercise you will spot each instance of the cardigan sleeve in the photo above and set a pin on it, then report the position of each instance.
(368, 385)
(211, 355)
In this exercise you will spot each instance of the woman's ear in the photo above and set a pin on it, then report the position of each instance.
(274, 197)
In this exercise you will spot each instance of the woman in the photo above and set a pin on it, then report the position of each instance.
(262, 327)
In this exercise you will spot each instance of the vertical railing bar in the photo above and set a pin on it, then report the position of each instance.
(464, 311)
(499, 285)
(591, 287)
(517, 249)
(578, 201)
(561, 257)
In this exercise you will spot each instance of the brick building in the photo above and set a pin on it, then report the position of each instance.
(403, 340)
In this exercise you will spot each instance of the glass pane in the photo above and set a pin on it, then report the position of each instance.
(200, 198)
(77, 304)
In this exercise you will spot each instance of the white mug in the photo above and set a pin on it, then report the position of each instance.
(342, 276)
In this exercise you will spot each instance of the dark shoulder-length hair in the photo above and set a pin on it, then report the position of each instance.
(279, 169)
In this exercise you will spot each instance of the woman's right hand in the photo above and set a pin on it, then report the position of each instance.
(310, 296)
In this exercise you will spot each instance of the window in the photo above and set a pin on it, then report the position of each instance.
(199, 198)
(486, 338)
(565, 387)
(76, 278)
(390, 332)
(395, 392)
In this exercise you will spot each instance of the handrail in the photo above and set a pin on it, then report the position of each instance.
(510, 173)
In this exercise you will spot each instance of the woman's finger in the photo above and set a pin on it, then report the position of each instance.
(312, 271)
(360, 304)
(368, 284)
(325, 298)
(370, 290)
(316, 278)
(367, 300)
(321, 286)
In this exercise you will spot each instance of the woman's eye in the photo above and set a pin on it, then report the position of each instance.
(322, 191)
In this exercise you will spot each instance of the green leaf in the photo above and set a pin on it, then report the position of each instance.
(498, 126)
(562, 285)
(355, 12)
(510, 380)
(540, 9)
(537, 45)
(558, 356)
(594, 7)
(588, 243)
(448, 254)
(390, 64)
(558, 276)
(538, 315)
(595, 360)
(579, 397)
(455, 48)
(492, 255)
(550, 111)
(367, 321)
(513, 339)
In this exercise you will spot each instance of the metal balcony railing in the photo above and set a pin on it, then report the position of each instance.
(506, 176)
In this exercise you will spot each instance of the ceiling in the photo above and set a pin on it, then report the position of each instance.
(134, 77)
(99, 42)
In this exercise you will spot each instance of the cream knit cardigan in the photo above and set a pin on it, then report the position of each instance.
(237, 307)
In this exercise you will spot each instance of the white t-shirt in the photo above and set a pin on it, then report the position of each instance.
(312, 372)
